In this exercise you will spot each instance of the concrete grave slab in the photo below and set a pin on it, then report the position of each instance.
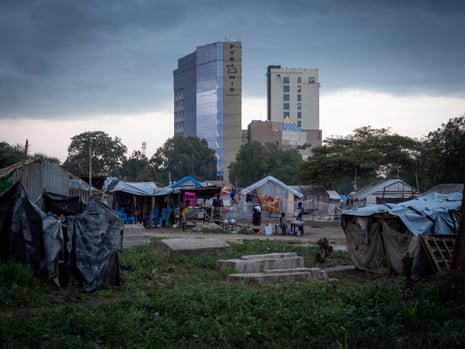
(192, 247)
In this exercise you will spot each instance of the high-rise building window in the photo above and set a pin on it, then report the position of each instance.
(299, 123)
(286, 88)
(311, 80)
(286, 79)
(286, 106)
(285, 97)
(299, 115)
(299, 79)
(299, 88)
(285, 114)
(299, 97)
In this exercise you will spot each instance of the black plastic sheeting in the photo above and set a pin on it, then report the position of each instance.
(61, 204)
(93, 240)
(83, 250)
(28, 235)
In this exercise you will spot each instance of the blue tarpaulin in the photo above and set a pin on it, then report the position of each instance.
(432, 214)
(389, 237)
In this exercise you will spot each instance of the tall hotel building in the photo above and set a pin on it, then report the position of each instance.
(293, 99)
(207, 99)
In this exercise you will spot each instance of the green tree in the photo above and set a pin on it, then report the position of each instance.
(107, 154)
(255, 161)
(10, 155)
(358, 159)
(137, 168)
(184, 156)
(443, 154)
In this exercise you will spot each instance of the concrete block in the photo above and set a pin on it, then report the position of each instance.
(260, 264)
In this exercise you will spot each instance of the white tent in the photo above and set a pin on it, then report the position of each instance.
(273, 195)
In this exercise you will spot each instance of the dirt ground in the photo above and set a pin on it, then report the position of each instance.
(313, 231)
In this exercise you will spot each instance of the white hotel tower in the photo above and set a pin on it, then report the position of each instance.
(294, 93)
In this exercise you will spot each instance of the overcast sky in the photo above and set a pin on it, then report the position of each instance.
(69, 66)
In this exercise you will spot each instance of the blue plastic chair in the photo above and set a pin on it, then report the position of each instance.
(131, 220)
(155, 218)
(125, 217)
(165, 214)
(152, 222)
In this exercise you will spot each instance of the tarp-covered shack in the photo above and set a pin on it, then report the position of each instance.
(390, 235)
(81, 248)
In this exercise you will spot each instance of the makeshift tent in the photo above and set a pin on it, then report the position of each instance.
(28, 235)
(83, 250)
(389, 235)
(273, 195)
(61, 204)
(133, 199)
(93, 240)
(321, 203)
(446, 188)
(387, 191)
(202, 193)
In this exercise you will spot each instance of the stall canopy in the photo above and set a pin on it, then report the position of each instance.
(389, 235)
(187, 181)
(137, 188)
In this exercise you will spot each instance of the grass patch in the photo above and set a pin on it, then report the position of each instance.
(185, 302)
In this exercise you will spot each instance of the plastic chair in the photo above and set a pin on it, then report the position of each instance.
(165, 214)
(124, 216)
(155, 218)
(131, 220)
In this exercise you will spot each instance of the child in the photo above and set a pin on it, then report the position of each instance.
(283, 224)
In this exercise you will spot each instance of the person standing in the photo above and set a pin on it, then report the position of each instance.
(299, 221)
(217, 204)
(283, 224)
(257, 216)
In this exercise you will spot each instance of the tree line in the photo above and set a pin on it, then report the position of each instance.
(340, 163)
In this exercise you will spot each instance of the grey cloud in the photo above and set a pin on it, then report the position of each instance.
(68, 57)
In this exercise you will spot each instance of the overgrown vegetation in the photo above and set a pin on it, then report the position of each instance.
(186, 303)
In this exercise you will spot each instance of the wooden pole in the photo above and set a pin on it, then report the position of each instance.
(458, 259)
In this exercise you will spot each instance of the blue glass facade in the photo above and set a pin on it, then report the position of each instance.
(198, 88)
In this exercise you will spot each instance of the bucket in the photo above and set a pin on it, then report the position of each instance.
(268, 229)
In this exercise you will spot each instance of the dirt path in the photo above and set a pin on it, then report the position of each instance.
(314, 231)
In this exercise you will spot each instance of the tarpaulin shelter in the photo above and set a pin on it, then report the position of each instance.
(388, 236)
(187, 188)
(273, 195)
(81, 248)
(28, 235)
(136, 199)
(321, 203)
